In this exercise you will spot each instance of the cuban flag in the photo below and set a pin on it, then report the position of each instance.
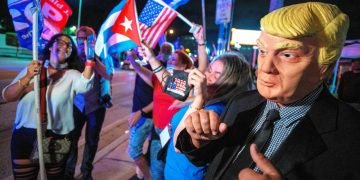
(120, 30)
(154, 19)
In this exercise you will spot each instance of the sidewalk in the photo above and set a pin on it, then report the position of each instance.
(112, 161)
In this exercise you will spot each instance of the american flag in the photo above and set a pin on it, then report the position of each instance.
(154, 20)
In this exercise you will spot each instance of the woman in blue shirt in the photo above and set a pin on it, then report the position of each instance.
(227, 74)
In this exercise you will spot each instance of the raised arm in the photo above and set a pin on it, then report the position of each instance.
(90, 63)
(201, 44)
(20, 87)
(143, 72)
(158, 69)
(100, 68)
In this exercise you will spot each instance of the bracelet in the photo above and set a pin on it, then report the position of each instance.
(158, 69)
(142, 112)
(90, 63)
(202, 44)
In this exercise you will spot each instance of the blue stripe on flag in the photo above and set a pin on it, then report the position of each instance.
(109, 42)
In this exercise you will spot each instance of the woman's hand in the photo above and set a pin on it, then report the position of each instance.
(134, 118)
(33, 69)
(198, 80)
(146, 52)
(131, 55)
(199, 35)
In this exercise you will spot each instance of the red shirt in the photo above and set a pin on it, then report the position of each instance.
(162, 101)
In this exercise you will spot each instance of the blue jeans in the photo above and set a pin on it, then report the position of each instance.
(94, 121)
(156, 166)
(138, 135)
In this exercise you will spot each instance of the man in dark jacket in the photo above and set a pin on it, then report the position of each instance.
(312, 135)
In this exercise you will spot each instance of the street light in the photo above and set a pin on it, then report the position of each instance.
(171, 31)
(72, 29)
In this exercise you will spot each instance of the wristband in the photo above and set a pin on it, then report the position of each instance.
(158, 69)
(90, 63)
(202, 44)
(142, 112)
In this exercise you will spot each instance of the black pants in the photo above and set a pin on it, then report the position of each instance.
(22, 144)
(94, 121)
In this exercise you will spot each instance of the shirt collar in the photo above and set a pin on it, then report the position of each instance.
(290, 113)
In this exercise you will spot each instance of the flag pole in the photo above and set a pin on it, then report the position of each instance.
(137, 23)
(35, 39)
(203, 17)
(79, 15)
(177, 13)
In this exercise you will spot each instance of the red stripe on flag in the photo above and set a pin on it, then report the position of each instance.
(161, 27)
(152, 34)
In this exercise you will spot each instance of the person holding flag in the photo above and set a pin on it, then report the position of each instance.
(89, 108)
(61, 65)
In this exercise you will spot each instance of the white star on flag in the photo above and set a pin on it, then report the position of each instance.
(127, 24)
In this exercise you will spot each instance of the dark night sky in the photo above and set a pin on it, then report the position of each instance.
(247, 14)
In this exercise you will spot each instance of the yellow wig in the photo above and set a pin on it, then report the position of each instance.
(325, 22)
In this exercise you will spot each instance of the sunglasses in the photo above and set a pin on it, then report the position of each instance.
(61, 42)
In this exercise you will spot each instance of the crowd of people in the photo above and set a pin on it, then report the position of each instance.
(284, 125)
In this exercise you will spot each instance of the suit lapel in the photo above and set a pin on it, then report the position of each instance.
(241, 125)
(303, 144)
(306, 142)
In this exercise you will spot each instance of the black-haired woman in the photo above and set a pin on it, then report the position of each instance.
(63, 82)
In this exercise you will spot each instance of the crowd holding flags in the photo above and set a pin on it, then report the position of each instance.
(121, 30)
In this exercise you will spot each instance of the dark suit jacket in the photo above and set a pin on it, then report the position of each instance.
(324, 145)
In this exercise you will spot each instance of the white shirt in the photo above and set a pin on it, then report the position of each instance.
(59, 99)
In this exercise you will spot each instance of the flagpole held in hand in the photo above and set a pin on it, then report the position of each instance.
(193, 28)
(35, 38)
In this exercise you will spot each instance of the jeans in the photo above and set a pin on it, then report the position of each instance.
(94, 121)
(138, 135)
(156, 166)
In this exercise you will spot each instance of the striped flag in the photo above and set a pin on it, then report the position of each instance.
(154, 20)
(111, 41)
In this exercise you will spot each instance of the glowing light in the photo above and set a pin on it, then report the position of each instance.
(72, 29)
(244, 37)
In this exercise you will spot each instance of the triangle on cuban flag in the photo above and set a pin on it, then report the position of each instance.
(111, 42)
(127, 23)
